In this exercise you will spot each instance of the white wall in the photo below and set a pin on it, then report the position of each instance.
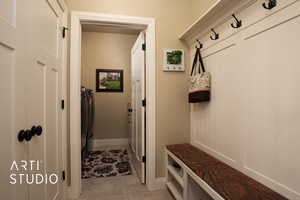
(253, 119)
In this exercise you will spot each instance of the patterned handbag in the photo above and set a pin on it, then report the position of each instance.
(199, 90)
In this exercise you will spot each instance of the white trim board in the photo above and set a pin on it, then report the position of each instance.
(98, 143)
(159, 184)
(77, 19)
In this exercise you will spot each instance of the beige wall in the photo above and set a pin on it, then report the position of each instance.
(172, 17)
(199, 7)
(108, 51)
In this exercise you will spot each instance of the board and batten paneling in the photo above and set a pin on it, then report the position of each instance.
(253, 119)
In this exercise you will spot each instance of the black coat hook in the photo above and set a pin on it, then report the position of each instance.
(271, 4)
(238, 22)
(216, 35)
(200, 44)
(64, 29)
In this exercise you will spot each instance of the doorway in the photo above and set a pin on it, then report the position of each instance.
(112, 76)
(78, 19)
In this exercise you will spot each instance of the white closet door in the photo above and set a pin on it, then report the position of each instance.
(12, 104)
(138, 115)
(44, 96)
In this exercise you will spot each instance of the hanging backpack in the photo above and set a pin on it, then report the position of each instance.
(199, 90)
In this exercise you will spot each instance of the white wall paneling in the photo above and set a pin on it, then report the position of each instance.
(252, 120)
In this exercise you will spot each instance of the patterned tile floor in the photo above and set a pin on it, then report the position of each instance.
(120, 188)
(106, 163)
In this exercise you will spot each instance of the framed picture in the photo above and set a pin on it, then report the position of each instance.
(173, 60)
(109, 80)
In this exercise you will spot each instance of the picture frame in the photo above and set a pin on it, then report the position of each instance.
(109, 80)
(173, 60)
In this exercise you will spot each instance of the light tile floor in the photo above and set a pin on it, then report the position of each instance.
(120, 188)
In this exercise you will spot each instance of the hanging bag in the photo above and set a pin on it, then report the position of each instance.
(199, 90)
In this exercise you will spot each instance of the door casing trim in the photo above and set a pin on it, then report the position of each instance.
(77, 19)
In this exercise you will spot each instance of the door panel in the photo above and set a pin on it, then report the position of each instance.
(12, 104)
(7, 121)
(53, 135)
(133, 122)
(37, 116)
(138, 115)
(45, 95)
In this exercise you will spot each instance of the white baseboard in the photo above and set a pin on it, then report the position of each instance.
(158, 184)
(96, 144)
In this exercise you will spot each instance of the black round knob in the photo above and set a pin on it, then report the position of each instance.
(21, 136)
(33, 131)
(38, 130)
(28, 135)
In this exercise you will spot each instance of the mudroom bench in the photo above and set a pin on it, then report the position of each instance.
(193, 174)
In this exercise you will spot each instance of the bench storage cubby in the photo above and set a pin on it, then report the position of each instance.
(193, 174)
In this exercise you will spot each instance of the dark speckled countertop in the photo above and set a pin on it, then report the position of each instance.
(225, 180)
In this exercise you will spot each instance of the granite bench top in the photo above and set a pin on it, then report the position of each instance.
(228, 182)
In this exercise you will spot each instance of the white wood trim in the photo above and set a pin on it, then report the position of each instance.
(62, 5)
(64, 127)
(78, 18)
(158, 184)
(213, 12)
(174, 191)
(179, 179)
(98, 143)
(196, 178)
(8, 34)
(75, 110)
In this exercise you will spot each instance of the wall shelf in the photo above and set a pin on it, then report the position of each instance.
(213, 13)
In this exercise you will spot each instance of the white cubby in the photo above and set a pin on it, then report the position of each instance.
(184, 184)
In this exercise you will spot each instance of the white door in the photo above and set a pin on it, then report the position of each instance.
(44, 96)
(139, 111)
(30, 86)
(12, 102)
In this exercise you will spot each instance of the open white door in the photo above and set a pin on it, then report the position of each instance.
(138, 106)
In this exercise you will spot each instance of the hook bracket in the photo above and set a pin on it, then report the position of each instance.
(238, 22)
(216, 35)
(200, 44)
(271, 4)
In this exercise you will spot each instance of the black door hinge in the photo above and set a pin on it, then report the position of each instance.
(64, 29)
(144, 47)
(63, 104)
(144, 159)
(144, 102)
(63, 175)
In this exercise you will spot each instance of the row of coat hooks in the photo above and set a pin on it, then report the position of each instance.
(238, 23)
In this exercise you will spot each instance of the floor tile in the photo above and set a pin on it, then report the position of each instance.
(150, 195)
(120, 188)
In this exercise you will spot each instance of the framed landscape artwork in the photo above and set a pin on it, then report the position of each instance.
(109, 80)
(173, 60)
